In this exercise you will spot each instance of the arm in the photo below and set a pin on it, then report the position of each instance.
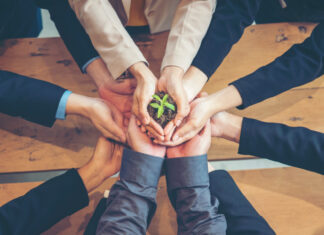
(240, 215)
(188, 189)
(107, 34)
(73, 35)
(31, 99)
(295, 146)
(301, 64)
(190, 23)
(226, 28)
(133, 195)
(61, 196)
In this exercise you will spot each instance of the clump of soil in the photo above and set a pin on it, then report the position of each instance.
(168, 114)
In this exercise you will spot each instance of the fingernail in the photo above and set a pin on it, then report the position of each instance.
(178, 123)
(175, 138)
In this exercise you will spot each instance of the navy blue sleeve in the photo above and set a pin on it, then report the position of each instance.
(73, 34)
(31, 99)
(188, 189)
(44, 206)
(241, 217)
(295, 146)
(301, 64)
(132, 200)
(226, 28)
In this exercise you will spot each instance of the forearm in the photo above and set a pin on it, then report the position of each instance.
(134, 194)
(226, 28)
(301, 64)
(296, 146)
(188, 189)
(108, 35)
(44, 205)
(71, 31)
(31, 99)
(189, 26)
(240, 215)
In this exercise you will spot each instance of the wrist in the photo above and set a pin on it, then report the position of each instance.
(173, 72)
(78, 105)
(193, 82)
(90, 176)
(99, 72)
(140, 71)
(231, 126)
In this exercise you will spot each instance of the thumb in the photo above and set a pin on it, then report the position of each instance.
(183, 109)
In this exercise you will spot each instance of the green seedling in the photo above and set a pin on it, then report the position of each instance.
(163, 103)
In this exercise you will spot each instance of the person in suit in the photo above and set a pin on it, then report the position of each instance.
(196, 196)
(301, 64)
(45, 205)
(43, 103)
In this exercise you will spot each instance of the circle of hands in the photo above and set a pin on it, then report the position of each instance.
(122, 109)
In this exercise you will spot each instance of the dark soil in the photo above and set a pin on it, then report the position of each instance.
(168, 114)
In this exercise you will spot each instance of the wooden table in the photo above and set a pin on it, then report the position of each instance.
(290, 199)
(28, 147)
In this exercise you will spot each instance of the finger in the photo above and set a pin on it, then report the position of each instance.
(206, 130)
(138, 122)
(143, 114)
(168, 128)
(116, 132)
(186, 130)
(169, 135)
(154, 133)
(202, 94)
(157, 127)
(126, 122)
(183, 110)
(143, 128)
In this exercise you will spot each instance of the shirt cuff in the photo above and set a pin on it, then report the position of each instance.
(84, 67)
(60, 113)
(187, 172)
(141, 168)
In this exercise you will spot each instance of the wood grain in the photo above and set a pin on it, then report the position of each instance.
(290, 199)
(28, 147)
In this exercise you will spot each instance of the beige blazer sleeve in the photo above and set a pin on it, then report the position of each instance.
(189, 26)
(107, 34)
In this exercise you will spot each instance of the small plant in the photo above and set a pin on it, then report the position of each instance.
(163, 103)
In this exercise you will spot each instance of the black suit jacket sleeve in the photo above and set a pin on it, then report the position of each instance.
(226, 28)
(44, 205)
(301, 64)
(241, 217)
(296, 146)
(74, 36)
(31, 99)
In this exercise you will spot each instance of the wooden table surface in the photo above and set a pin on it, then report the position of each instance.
(290, 199)
(28, 147)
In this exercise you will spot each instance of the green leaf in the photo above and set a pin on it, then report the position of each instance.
(170, 106)
(165, 97)
(157, 98)
(155, 105)
(160, 111)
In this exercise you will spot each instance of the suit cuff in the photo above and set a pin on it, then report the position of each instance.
(248, 139)
(187, 172)
(141, 168)
(60, 113)
(85, 66)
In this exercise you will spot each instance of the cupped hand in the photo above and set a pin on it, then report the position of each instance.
(140, 142)
(198, 145)
(171, 82)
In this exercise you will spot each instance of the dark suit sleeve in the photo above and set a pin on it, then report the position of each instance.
(301, 64)
(74, 36)
(295, 146)
(34, 100)
(241, 217)
(44, 205)
(188, 189)
(132, 200)
(226, 28)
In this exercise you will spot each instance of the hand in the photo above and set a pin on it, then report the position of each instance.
(146, 85)
(118, 92)
(104, 116)
(198, 145)
(171, 82)
(140, 142)
(105, 162)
